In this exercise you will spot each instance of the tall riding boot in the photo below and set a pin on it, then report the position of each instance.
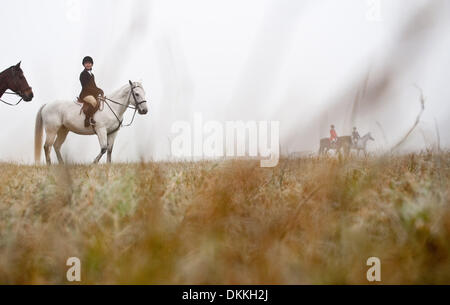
(89, 116)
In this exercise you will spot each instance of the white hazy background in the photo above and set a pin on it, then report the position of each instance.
(299, 62)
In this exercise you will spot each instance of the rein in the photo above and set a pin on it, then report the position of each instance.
(105, 100)
(12, 104)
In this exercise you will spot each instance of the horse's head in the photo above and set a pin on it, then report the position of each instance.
(18, 83)
(367, 137)
(138, 97)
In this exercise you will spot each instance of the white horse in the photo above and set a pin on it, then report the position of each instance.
(60, 117)
(362, 143)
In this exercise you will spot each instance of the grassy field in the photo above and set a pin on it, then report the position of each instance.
(307, 221)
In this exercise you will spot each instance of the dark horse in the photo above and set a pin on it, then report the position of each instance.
(342, 143)
(14, 80)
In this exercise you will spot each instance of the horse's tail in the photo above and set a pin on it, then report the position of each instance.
(38, 131)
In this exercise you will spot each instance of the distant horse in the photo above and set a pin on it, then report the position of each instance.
(362, 143)
(60, 117)
(342, 143)
(14, 80)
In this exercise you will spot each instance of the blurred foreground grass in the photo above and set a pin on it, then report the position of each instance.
(307, 221)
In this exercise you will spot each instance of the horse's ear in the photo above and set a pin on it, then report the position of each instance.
(131, 83)
(18, 65)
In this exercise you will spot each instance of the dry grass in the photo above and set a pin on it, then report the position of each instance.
(308, 221)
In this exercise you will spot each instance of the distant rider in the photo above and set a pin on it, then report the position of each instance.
(355, 136)
(333, 135)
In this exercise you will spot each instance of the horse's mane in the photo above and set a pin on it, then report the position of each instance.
(7, 69)
(125, 89)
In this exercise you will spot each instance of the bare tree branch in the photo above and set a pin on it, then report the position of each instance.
(422, 105)
(436, 125)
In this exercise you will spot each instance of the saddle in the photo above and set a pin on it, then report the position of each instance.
(333, 144)
(86, 106)
(88, 111)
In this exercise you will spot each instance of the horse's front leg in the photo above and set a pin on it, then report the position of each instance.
(346, 149)
(111, 139)
(102, 139)
(110, 148)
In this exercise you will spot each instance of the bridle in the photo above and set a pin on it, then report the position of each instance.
(18, 93)
(135, 107)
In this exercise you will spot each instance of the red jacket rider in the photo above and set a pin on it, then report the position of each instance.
(333, 134)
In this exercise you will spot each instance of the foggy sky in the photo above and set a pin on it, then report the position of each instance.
(297, 62)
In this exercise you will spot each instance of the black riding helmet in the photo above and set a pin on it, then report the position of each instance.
(88, 59)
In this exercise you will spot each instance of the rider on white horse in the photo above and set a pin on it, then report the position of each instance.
(355, 136)
(61, 117)
(90, 92)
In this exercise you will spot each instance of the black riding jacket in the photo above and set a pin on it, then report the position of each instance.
(88, 86)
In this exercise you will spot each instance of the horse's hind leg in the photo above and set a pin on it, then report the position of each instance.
(50, 139)
(61, 137)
